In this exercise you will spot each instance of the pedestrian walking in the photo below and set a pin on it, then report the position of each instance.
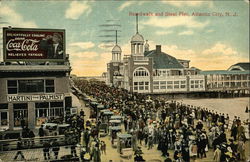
(103, 147)
(31, 136)
(19, 148)
(73, 149)
(41, 133)
(55, 148)
(46, 149)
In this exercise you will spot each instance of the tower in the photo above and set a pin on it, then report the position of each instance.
(116, 51)
(137, 41)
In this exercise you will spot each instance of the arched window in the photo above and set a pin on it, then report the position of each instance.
(141, 72)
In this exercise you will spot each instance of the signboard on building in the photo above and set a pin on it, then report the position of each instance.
(30, 98)
(28, 44)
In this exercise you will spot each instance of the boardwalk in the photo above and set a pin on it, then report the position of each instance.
(112, 153)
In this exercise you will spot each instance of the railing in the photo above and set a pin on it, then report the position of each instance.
(140, 58)
(36, 142)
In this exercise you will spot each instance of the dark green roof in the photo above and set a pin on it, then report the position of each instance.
(224, 72)
(243, 65)
(162, 60)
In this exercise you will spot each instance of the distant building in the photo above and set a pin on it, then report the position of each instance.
(155, 72)
(236, 77)
(151, 71)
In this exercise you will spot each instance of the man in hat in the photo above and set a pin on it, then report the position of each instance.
(53, 46)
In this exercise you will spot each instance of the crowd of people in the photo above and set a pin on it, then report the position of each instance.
(169, 125)
(153, 122)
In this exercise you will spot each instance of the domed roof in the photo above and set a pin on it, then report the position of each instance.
(137, 38)
(163, 60)
(117, 49)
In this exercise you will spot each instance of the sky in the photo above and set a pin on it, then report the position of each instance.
(199, 31)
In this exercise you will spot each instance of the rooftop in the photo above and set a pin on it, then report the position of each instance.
(224, 72)
(137, 38)
(240, 66)
(163, 60)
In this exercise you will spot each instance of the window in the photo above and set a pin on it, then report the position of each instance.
(156, 83)
(45, 110)
(30, 86)
(156, 87)
(49, 86)
(169, 82)
(162, 82)
(163, 87)
(141, 72)
(20, 113)
(3, 118)
(176, 84)
(135, 86)
(12, 86)
(141, 86)
(183, 84)
(170, 87)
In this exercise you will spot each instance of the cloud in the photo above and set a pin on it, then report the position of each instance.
(83, 45)
(188, 3)
(163, 32)
(210, 31)
(219, 56)
(169, 22)
(125, 5)
(188, 32)
(219, 49)
(76, 9)
(129, 3)
(14, 19)
(106, 46)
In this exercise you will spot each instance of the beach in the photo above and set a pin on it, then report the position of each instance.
(231, 106)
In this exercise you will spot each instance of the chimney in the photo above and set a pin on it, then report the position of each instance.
(158, 49)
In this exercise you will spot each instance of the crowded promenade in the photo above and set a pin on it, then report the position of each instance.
(181, 132)
(150, 129)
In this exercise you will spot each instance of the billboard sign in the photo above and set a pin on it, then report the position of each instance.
(27, 44)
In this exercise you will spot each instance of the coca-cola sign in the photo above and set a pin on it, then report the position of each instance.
(23, 44)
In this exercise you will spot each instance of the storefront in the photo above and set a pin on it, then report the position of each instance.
(32, 95)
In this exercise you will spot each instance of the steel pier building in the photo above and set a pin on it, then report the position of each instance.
(156, 72)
